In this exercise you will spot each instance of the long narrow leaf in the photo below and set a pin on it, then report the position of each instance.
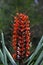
(1, 56)
(39, 59)
(4, 53)
(10, 57)
(36, 51)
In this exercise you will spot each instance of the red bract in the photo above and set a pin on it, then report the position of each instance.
(21, 36)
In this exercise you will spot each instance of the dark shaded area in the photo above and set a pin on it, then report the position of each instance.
(36, 34)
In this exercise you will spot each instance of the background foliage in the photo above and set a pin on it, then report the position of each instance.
(30, 7)
(33, 9)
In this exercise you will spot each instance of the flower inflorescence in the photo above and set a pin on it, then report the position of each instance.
(21, 36)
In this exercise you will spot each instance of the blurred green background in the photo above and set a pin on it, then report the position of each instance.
(33, 8)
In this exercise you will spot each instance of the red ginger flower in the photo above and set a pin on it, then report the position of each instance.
(21, 36)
